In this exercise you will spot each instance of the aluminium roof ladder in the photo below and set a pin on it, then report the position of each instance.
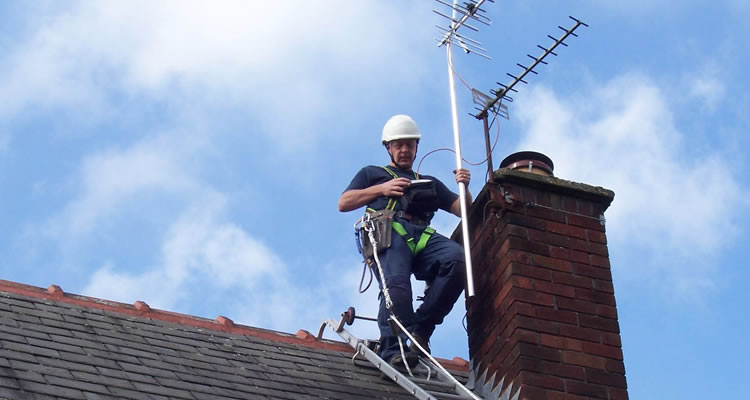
(418, 386)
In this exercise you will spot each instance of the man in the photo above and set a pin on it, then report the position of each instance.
(437, 260)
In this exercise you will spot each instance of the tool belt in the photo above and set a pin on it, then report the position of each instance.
(383, 228)
(384, 224)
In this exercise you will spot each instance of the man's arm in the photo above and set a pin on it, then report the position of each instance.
(462, 176)
(356, 198)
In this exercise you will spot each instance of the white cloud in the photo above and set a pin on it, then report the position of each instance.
(264, 58)
(623, 136)
(707, 86)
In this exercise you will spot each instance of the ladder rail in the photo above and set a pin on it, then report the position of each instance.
(379, 363)
(443, 379)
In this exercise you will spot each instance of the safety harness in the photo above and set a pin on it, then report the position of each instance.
(420, 244)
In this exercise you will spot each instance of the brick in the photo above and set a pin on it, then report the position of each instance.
(526, 222)
(604, 286)
(567, 230)
(562, 396)
(595, 296)
(554, 288)
(559, 342)
(540, 380)
(552, 314)
(614, 366)
(583, 359)
(551, 368)
(572, 280)
(605, 324)
(529, 271)
(546, 214)
(603, 350)
(596, 237)
(550, 238)
(540, 352)
(552, 263)
(592, 271)
(592, 223)
(618, 394)
(580, 306)
(586, 389)
(587, 334)
(612, 339)
(606, 378)
(606, 311)
(600, 261)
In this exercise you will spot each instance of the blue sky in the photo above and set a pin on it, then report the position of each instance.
(191, 156)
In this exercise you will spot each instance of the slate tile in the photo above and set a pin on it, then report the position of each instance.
(188, 362)
(17, 355)
(12, 394)
(73, 341)
(147, 373)
(191, 341)
(209, 378)
(117, 338)
(103, 379)
(27, 348)
(167, 366)
(23, 317)
(12, 337)
(308, 375)
(43, 328)
(8, 321)
(52, 390)
(35, 312)
(7, 300)
(22, 332)
(49, 344)
(98, 396)
(65, 325)
(88, 360)
(136, 394)
(162, 391)
(76, 384)
(128, 351)
(290, 393)
(227, 354)
(278, 363)
(8, 382)
(40, 369)
(241, 373)
(192, 387)
(253, 367)
(172, 345)
(67, 365)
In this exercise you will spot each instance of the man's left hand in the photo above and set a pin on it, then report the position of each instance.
(462, 176)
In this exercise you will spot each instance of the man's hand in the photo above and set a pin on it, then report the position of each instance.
(356, 198)
(395, 187)
(462, 176)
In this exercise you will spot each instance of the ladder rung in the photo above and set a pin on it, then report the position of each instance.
(448, 396)
(434, 382)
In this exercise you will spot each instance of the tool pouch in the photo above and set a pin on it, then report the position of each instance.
(383, 225)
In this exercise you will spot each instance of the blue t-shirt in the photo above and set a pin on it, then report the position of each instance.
(372, 175)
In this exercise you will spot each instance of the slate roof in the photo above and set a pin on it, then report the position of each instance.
(55, 345)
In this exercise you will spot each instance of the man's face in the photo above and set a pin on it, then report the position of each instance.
(403, 152)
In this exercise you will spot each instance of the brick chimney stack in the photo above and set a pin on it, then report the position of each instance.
(543, 324)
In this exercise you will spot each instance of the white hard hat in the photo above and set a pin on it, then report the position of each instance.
(400, 127)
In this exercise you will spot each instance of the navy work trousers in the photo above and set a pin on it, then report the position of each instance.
(441, 264)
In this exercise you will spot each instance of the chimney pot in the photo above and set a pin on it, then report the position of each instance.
(529, 161)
